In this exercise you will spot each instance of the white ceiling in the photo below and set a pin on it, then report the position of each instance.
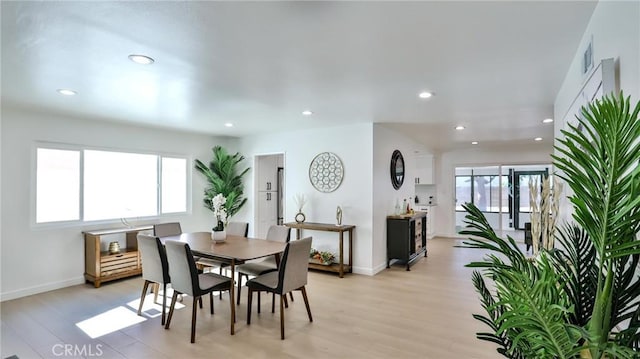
(495, 67)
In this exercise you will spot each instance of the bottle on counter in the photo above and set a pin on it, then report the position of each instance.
(404, 205)
(397, 208)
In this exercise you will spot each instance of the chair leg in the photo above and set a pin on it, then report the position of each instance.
(199, 301)
(144, 293)
(211, 301)
(286, 301)
(239, 287)
(194, 308)
(273, 302)
(173, 305)
(306, 302)
(249, 297)
(220, 274)
(164, 302)
(291, 295)
(259, 304)
(156, 289)
(283, 297)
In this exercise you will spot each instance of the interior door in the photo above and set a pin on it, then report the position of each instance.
(521, 197)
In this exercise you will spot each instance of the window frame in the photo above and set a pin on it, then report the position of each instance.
(81, 149)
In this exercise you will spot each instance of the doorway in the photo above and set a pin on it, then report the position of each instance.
(521, 194)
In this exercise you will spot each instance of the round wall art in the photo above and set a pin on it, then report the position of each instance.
(326, 172)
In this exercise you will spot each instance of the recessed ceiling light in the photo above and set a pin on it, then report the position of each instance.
(547, 120)
(425, 94)
(307, 113)
(474, 142)
(228, 124)
(141, 59)
(459, 128)
(538, 139)
(66, 92)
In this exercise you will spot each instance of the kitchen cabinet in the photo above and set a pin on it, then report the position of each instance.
(424, 169)
(267, 176)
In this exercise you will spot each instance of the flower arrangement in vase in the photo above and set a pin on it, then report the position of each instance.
(220, 213)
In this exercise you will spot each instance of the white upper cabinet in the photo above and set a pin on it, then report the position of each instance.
(268, 173)
(424, 169)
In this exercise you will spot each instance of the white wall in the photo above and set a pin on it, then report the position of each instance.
(385, 141)
(477, 156)
(615, 29)
(40, 259)
(352, 144)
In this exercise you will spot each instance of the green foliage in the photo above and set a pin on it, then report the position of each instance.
(529, 310)
(599, 161)
(571, 298)
(224, 177)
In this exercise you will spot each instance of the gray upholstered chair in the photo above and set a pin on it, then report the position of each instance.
(155, 269)
(238, 229)
(185, 279)
(291, 275)
(167, 229)
(263, 265)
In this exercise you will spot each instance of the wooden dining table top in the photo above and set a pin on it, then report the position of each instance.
(234, 247)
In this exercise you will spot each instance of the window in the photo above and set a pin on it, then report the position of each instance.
(110, 185)
(57, 185)
(119, 185)
(174, 185)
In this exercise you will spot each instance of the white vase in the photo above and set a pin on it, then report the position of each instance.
(219, 236)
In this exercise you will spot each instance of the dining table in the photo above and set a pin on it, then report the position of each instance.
(233, 250)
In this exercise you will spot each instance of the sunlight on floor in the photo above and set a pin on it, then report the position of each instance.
(123, 316)
(109, 322)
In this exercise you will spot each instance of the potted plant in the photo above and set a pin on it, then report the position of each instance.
(224, 177)
(567, 302)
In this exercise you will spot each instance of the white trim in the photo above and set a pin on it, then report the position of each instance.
(40, 288)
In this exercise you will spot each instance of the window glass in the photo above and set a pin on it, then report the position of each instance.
(57, 185)
(119, 185)
(174, 185)
(463, 191)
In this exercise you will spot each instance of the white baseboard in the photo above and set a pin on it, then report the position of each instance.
(40, 289)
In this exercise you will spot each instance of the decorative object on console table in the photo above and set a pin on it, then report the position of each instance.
(114, 247)
(341, 266)
(406, 238)
(326, 172)
(101, 266)
(300, 200)
(338, 216)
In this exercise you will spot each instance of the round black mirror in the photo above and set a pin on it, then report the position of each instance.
(397, 169)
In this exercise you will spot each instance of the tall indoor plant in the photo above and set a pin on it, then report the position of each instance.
(224, 177)
(567, 301)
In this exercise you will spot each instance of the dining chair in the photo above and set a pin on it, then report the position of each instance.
(291, 275)
(155, 269)
(234, 229)
(263, 265)
(185, 279)
(167, 229)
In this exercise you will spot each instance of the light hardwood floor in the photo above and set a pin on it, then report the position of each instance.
(423, 313)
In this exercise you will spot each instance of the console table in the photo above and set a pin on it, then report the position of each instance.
(101, 266)
(341, 267)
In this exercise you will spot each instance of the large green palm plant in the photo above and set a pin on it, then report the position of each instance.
(579, 293)
(224, 177)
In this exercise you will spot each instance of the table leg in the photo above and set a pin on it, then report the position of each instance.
(231, 296)
(351, 249)
(341, 254)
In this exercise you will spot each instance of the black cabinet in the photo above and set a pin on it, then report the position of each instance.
(406, 238)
